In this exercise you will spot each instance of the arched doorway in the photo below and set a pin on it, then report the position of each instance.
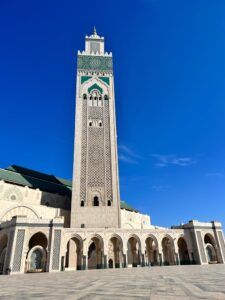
(37, 254)
(110, 263)
(133, 251)
(151, 251)
(74, 254)
(183, 251)
(3, 248)
(115, 252)
(168, 251)
(95, 253)
(36, 259)
(210, 247)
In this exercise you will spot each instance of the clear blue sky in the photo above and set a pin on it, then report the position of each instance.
(169, 63)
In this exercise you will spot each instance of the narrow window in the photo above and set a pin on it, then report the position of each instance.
(96, 201)
(82, 203)
(106, 97)
(100, 124)
(109, 203)
(84, 96)
(90, 124)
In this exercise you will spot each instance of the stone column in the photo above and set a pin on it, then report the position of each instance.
(105, 262)
(142, 260)
(176, 253)
(161, 259)
(85, 262)
(124, 261)
(177, 258)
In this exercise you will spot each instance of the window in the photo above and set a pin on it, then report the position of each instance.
(106, 97)
(95, 47)
(109, 203)
(100, 124)
(90, 124)
(82, 203)
(13, 197)
(84, 96)
(95, 98)
(96, 201)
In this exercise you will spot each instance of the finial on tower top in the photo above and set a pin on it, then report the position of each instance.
(94, 31)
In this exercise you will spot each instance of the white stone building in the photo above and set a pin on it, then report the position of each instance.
(48, 224)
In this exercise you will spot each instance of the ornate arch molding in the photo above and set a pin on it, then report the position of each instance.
(212, 238)
(43, 260)
(136, 237)
(154, 238)
(16, 208)
(38, 247)
(97, 236)
(74, 236)
(181, 236)
(118, 237)
(94, 82)
(171, 239)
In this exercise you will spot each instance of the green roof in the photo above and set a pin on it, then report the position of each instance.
(124, 205)
(44, 182)
(34, 179)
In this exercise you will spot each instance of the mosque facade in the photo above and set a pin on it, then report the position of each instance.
(49, 224)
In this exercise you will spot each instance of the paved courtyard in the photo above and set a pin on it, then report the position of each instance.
(174, 282)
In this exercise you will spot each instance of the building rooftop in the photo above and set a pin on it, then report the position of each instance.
(37, 180)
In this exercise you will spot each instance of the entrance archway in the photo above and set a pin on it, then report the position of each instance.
(168, 251)
(183, 251)
(210, 247)
(36, 259)
(110, 263)
(3, 248)
(115, 251)
(74, 254)
(37, 253)
(95, 253)
(151, 251)
(133, 251)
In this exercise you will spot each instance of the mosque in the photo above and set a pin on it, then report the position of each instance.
(49, 224)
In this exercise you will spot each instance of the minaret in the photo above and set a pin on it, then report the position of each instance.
(95, 195)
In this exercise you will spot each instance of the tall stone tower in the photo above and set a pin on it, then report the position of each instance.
(95, 195)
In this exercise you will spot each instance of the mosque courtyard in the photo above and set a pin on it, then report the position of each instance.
(164, 283)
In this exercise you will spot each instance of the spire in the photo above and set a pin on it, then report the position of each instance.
(94, 31)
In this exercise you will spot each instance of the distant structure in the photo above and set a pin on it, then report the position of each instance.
(48, 224)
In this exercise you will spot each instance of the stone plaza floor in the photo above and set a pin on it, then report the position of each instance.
(164, 283)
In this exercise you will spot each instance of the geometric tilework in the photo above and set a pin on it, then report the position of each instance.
(201, 246)
(95, 148)
(96, 170)
(221, 239)
(83, 178)
(56, 249)
(94, 63)
(18, 250)
(108, 168)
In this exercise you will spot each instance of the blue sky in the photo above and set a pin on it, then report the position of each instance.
(169, 65)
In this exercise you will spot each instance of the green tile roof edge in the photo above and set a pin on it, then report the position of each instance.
(124, 205)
